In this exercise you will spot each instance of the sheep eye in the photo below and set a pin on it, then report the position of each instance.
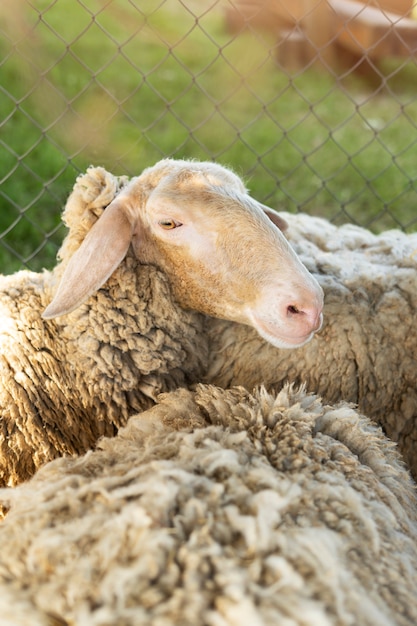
(169, 224)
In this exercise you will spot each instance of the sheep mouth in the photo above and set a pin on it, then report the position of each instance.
(275, 336)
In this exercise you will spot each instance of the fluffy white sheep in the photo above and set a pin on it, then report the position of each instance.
(366, 352)
(143, 264)
(218, 508)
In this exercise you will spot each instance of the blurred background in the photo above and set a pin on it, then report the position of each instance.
(313, 102)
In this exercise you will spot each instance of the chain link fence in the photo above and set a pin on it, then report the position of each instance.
(313, 102)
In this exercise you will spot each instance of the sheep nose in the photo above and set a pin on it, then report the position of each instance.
(310, 316)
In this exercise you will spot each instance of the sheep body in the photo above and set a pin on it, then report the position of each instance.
(218, 507)
(57, 383)
(367, 348)
(131, 292)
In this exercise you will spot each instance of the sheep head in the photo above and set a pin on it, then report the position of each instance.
(224, 253)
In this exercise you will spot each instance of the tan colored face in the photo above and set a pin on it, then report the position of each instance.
(223, 255)
(226, 258)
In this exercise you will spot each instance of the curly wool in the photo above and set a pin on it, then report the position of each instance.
(68, 382)
(221, 508)
(367, 349)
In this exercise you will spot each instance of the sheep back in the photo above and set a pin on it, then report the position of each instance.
(219, 507)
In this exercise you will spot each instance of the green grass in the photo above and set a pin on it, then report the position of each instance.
(125, 89)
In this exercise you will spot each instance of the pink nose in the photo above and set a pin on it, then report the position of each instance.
(306, 318)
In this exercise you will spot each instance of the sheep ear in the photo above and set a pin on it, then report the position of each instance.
(102, 250)
(276, 219)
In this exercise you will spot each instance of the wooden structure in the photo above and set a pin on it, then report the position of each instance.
(329, 31)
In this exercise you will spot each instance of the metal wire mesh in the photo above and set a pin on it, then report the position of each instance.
(313, 102)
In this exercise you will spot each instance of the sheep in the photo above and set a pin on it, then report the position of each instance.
(370, 285)
(122, 317)
(218, 507)
(366, 351)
